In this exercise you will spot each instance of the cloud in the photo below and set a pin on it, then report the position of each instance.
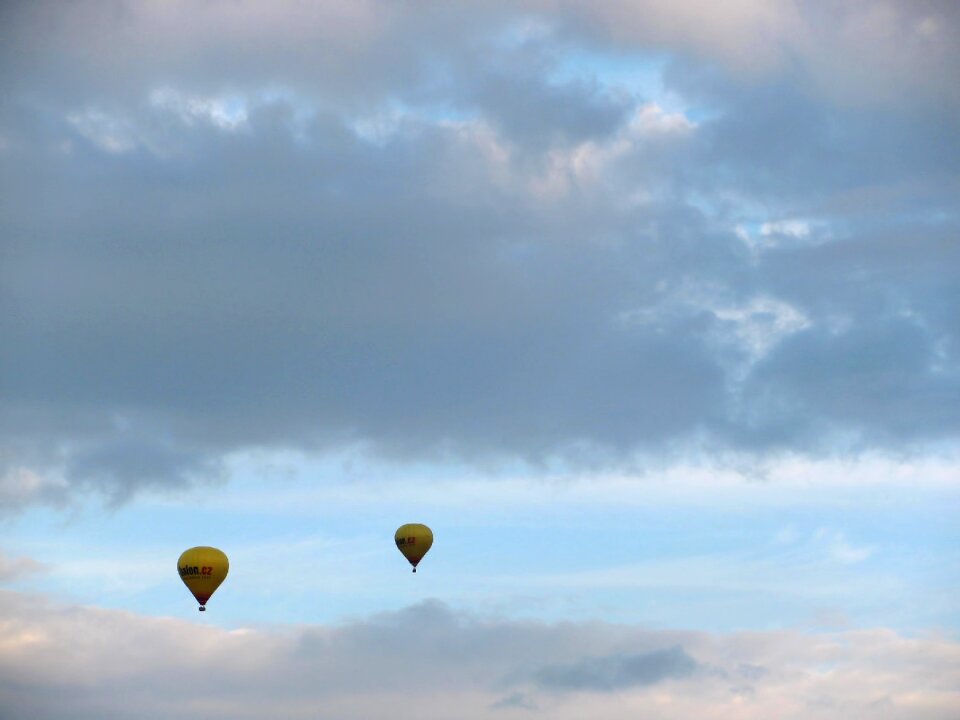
(874, 52)
(428, 659)
(125, 463)
(516, 700)
(423, 233)
(619, 671)
(14, 568)
(21, 487)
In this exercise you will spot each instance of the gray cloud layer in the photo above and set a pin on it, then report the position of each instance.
(430, 661)
(619, 671)
(231, 228)
(14, 568)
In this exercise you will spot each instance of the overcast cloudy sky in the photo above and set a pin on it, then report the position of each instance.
(650, 309)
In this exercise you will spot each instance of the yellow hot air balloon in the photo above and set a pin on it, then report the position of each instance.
(413, 540)
(202, 569)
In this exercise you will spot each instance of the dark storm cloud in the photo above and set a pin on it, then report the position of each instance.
(257, 229)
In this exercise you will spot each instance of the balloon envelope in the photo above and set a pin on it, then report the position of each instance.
(413, 540)
(202, 569)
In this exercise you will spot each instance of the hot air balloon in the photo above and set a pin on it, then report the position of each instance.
(413, 540)
(202, 569)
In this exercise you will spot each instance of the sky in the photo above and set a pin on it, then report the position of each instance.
(650, 310)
